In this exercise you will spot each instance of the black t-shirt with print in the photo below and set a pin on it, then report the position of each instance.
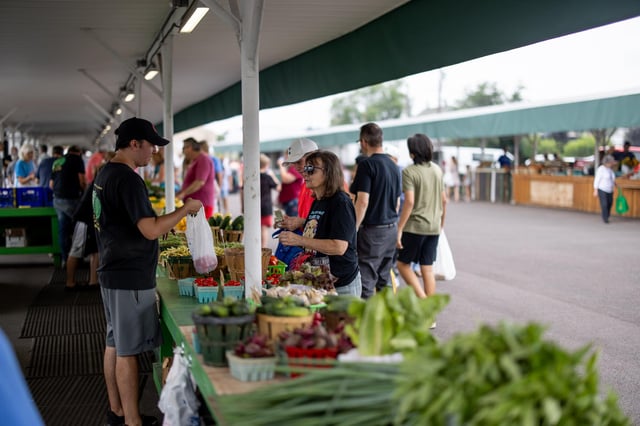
(64, 173)
(335, 218)
(127, 259)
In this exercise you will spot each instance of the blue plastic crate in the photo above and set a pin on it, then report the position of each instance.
(47, 198)
(7, 197)
(30, 197)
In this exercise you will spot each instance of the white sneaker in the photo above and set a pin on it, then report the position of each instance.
(433, 325)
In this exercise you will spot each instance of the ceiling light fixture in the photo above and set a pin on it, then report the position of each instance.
(191, 19)
(129, 96)
(152, 71)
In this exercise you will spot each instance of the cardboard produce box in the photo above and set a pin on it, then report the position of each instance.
(16, 237)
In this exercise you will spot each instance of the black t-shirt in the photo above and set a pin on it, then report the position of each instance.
(127, 259)
(335, 218)
(64, 173)
(266, 200)
(379, 176)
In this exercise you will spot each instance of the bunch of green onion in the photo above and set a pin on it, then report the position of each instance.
(348, 394)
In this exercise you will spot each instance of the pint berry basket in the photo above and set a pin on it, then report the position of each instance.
(251, 369)
(309, 358)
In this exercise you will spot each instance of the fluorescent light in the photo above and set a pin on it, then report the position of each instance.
(129, 96)
(118, 111)
(194, 19)
(151, 73)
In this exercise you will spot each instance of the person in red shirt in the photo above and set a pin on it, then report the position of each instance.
(199, 179)
(296, 155)
(292, 183)
(94, 163)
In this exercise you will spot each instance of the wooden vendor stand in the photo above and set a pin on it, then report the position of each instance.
(40, 225)
(177, 326)
(570, 192)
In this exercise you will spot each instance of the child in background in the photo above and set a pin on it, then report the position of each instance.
(268, 182)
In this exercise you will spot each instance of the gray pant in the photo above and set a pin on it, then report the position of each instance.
(376, 249)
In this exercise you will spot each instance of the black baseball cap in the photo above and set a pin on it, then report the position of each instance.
(139, 129)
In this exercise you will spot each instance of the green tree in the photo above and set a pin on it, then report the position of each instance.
(488, 94)
(581, 147)
(548, 146)
(374, 103)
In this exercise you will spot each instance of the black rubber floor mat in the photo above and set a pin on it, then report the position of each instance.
(65, 319)
(69, 355)
(59, 276)
(65, 401)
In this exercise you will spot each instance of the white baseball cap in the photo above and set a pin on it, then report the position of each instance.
(299, 148)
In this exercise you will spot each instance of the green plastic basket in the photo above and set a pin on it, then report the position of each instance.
(219, 335)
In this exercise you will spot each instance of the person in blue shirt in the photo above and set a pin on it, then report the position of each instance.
(16, 404)
(506, 164)
(25, 169)
(44, 168)
(504, 161)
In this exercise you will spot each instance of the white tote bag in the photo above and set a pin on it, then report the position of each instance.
(444, 268)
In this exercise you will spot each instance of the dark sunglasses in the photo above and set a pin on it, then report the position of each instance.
(309, 169)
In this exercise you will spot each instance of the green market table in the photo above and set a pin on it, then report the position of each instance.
(41, 225)
(177, 326)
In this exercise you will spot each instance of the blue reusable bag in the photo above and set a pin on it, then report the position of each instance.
(287, 253)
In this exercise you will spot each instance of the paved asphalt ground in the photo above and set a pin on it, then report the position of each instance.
(564, 269)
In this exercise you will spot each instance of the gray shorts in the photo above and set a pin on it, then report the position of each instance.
(79, 239)
(133, 325)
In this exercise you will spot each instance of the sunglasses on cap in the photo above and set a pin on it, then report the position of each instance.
(310, 169)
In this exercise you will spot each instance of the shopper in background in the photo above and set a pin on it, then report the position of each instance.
(94, 163)
(68, 184)
(603, 185)
(199, 180)
(46, 165)
(268, 182)
(9, 163)
(127, 230)
(25, 168)
(296, 156)
(292, 183)
(329, 229)
(422, 216)
(377, 186)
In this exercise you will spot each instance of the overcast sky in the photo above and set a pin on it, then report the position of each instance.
(592, 62)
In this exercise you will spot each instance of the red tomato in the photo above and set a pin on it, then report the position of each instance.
(233, 283)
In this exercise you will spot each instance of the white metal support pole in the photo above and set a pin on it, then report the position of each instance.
(493, 185)
(251, 20)
(167, 84)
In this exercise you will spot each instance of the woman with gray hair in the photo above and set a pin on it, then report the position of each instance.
(603, 186)
(25, 171)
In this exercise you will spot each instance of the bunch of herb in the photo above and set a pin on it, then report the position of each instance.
(502, 375)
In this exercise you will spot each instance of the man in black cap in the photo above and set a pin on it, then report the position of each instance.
(127, 231)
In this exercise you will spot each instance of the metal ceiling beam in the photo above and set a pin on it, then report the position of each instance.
(103, 87)
(128, 66)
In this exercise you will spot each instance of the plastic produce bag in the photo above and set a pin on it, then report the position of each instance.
(200, 241)
(622, 206)
(444, 268)
(178, 399)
